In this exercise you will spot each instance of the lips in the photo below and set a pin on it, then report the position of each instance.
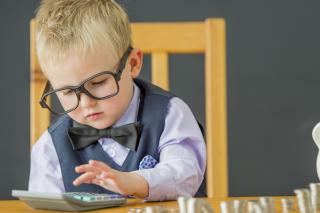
(94, 115)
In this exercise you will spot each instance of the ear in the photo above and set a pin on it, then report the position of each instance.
(136, 57)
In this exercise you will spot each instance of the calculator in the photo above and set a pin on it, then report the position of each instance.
(69, 201)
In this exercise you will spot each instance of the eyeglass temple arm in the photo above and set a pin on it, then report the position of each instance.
(124, 58)
(46, 89)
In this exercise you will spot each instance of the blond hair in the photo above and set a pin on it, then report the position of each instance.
(67, 27)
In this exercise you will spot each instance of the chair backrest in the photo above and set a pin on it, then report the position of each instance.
(161, 39)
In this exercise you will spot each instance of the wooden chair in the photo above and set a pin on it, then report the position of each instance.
(161, 39)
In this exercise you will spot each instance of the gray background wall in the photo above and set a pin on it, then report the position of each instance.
(273, 87)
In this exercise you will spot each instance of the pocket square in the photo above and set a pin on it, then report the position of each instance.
(147, 162)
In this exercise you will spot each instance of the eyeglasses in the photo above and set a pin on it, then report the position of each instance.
(100, 86)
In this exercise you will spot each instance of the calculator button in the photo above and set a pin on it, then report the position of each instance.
(77, 197)
(84, 197)
(87, 198)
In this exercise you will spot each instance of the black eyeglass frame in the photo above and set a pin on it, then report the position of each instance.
(81, 89)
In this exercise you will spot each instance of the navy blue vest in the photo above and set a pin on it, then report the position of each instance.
(152, 114)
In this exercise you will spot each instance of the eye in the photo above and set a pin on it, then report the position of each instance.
(99, 83)
(67, 92)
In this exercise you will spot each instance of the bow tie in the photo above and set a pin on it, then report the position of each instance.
(126, 135)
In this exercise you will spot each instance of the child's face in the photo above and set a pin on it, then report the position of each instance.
(97, 113)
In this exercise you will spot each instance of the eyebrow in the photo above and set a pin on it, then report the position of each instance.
(113, 70)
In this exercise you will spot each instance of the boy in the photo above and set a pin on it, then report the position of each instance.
(118, 134)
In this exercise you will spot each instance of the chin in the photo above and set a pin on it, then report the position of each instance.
(100, 125)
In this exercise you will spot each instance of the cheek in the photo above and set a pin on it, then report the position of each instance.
(112, 105)
(126, 85)
(76, 115)
(120, 102)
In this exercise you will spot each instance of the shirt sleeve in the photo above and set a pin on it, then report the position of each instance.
(45, 172)
(182, 163)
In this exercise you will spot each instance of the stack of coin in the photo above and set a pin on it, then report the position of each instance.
(240, 206)
(234, 206)
(287, 205)
(255, 207)
(154, 209)
(182, 202)
(193, 205)
(304, 200)
(315, 196)
(267, 204)
(206, 207)
(227, 207)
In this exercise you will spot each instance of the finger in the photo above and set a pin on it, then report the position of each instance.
(97, 182)
(99, 164)
(86, 168)
(84, 178)
(103, 183)
(88, 182)
(106, 183)
(105, 175)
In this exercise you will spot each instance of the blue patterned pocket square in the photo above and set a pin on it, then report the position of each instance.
(147, 162)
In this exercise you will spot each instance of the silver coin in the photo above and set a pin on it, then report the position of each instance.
(287, 205)
(227, 207)
(267, 204)
(304, 200)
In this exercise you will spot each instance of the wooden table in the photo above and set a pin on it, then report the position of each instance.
(15, 206)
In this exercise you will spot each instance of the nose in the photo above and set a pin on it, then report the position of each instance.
(86, 101)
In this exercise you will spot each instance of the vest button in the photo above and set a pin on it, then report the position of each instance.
(112, 153)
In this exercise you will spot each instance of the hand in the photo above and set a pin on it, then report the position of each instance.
(99, 173)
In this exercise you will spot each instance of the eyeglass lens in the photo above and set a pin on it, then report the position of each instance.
(101, 86)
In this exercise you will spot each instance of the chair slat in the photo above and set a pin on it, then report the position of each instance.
(216, 108)
(39, 118)
(177, 37)
(160, 69)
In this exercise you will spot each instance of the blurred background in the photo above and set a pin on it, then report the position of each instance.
(273, 83)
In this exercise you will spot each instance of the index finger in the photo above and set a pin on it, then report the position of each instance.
(100, 165)
(86, 168)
